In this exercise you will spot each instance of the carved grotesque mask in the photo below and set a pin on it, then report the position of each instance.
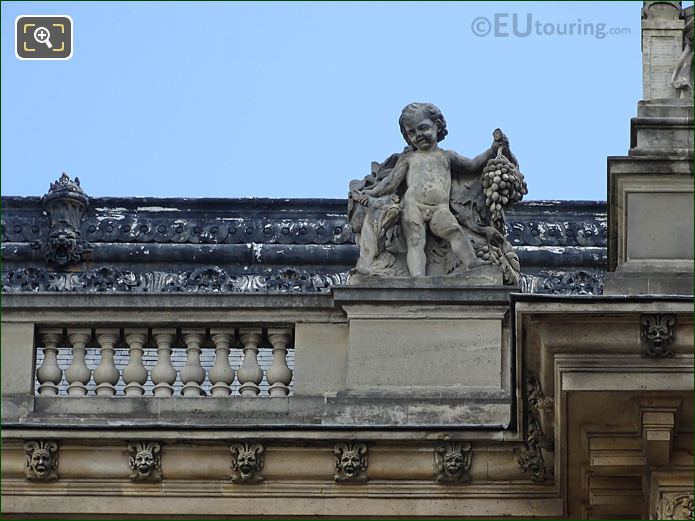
(351, 461)
(247, 461)
(145, 462)
(658, 334)
(42, 460)
(41, 463)
(453, 463)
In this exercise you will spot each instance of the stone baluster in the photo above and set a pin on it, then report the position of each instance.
(250, 373)
(50, 374)
(106, 374)
(135, 373)
(221, 374)
(163, 373)
(279, 375)
(193, 374)
(78, 374)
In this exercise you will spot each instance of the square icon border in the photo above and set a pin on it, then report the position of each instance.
(72, 36)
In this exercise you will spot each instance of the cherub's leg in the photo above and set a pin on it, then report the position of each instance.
(415, 234)
(445, 225)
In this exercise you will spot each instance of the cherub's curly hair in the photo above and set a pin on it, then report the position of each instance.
(431, 111)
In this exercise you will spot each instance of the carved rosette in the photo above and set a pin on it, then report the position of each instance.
(678, 506)
(532, 455)
(350, 462)
(247, 462)
(452, 461)
(145, 461)
(65, 204)
(658, 332)
(41, 460)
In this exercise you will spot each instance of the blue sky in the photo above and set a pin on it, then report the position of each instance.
(218, 99)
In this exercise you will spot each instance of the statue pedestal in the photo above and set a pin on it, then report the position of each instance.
(434, 351)
(650, 204)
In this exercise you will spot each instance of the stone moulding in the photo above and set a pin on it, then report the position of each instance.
(213, 279)
(145, 461)
(207, 279)
(41, 460)
(350, 462)
(521, 231)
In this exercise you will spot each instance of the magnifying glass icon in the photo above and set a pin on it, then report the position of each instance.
(43, 35)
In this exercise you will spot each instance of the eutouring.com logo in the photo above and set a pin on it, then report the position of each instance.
(515, 25)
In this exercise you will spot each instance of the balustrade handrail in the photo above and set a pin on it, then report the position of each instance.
(250, 339)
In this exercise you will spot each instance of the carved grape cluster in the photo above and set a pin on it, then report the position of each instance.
(503, 184)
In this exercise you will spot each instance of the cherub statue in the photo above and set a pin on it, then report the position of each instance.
(425, 211)
(682, 77)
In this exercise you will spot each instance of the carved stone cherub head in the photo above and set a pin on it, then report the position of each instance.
(145, 461)
(247, 462)
(658, 332)
(452, 461)
(41, 460)
(422, 125)
(350, 462)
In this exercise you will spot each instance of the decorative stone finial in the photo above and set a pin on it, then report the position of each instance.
(65, 204)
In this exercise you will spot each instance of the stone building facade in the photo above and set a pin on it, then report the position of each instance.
(208, 358)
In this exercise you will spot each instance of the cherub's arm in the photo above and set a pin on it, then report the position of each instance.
(463, 165)
(391, 182)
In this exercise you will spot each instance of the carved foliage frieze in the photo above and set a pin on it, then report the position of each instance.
(145, 461)
(657, 333)
(206, 279)
(350, 462)
(41, 460)
(133, 229)
(534, 455)
(452, 461)
(675, 506)
(247, 462)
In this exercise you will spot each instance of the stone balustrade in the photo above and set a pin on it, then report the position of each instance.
(165, 361)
